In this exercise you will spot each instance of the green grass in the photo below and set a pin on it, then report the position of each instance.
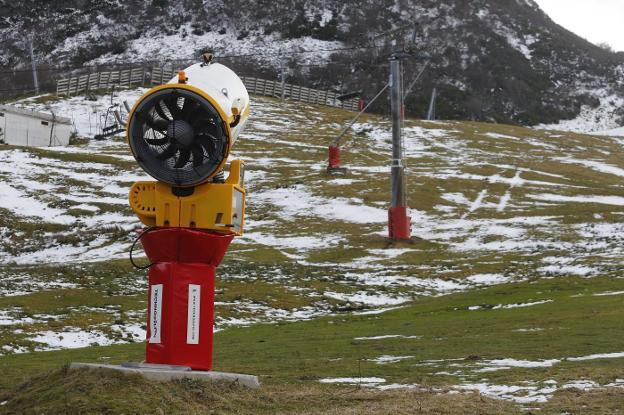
(448, 332)
(84, 158)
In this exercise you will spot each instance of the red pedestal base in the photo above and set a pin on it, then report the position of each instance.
(334, 157)
(399, 223)
(334, 161)
(181, 295)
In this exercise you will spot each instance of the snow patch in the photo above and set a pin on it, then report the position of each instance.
(370, 381)
(297, 201)
(71, 339)
(366, 298)
(508, 306)
(387, 336)
(488, 279)
(387, 359)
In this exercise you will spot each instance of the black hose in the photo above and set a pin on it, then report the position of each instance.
(136, 240)
(236, 121)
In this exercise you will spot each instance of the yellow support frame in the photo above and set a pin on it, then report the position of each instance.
(212, 206)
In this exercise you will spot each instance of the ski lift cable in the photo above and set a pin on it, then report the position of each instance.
(344, 131)
(411, 85)
(403, 99)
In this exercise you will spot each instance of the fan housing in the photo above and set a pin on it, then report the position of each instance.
(178, 136)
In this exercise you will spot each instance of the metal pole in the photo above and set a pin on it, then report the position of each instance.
(34, 65)
(431, 112)
(399, 222)
(283, 83)
(398, 173)
(52, 127)
(283, 76)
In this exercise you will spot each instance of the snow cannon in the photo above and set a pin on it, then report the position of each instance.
(181, 134)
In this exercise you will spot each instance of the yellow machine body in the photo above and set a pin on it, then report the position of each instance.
(218, 207)
(201, 203)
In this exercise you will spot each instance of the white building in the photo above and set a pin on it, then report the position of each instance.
(25, 127)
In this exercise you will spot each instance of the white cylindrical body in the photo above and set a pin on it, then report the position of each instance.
(224, 87)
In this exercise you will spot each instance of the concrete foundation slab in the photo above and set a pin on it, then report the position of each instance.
(167, 372)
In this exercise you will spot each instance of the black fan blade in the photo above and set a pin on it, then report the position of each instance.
(198, 155)
(186, 108)
(217, 146)
(203, 122)
(190, 111)
(160, 111)
(168, 153)
(172, 105)
(157, 141)
(208, 142)
(157, 125)
(186, 104)
(185, 155)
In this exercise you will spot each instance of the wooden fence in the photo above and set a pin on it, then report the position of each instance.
(298, 93)
(157, 76)
(101, 80)
(161, 76)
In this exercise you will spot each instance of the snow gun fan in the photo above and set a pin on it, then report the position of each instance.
(178, 137)
(181, 134)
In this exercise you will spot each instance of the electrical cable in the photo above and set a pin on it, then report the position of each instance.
(411, 85)
(344, 131)
(136, 240)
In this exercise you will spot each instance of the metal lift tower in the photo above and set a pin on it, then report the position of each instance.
(399, 222)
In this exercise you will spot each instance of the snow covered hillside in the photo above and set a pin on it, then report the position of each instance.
(493, 60)
(490, 204)
(605, 118)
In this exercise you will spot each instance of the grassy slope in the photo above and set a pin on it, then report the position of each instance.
(99, 392)
(460, 340)
(286, 150)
